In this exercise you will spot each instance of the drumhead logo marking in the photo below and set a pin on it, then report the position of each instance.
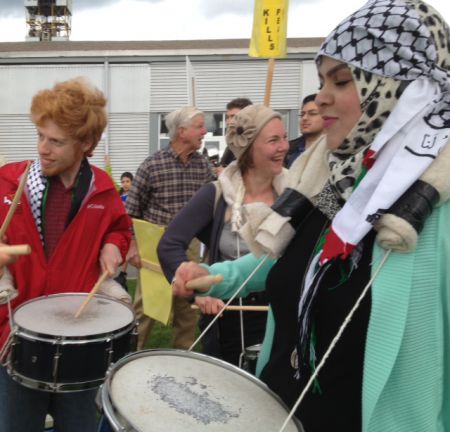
(191, 398)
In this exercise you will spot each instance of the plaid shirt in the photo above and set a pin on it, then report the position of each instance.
(164, 184)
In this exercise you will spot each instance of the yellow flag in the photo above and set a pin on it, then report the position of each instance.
(156, 291)
(269, 29)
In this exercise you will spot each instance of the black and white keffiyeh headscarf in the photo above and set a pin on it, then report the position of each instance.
(405, 40)
(399, 55)
(398, 52)
(387, 44)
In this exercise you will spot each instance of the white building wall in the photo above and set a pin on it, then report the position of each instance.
(309, 78)
(136, 92)
(128, 130)
(20, 83)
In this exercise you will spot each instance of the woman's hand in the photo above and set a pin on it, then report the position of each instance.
(209, 305)
(185, 272)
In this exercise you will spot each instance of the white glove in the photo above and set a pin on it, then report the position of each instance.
(7, 290)
(113, 289)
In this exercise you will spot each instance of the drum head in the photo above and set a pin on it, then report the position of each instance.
(55, 315)
(176, 391)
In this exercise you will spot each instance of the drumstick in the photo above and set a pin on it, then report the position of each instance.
(101, 279)
(22, 249)
(242, 308)
(17, 196)
(204, 283)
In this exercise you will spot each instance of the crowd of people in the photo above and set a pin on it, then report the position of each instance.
(342, 232)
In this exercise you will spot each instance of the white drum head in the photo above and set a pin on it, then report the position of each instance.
(55, 315)
(173, 391)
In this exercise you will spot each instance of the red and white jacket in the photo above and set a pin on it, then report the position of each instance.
(74, 265)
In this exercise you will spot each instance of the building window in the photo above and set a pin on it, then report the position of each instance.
(214, 123)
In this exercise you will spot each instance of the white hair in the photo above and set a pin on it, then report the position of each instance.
(181, 117)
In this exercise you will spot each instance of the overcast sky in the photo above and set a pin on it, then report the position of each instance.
(184, 19)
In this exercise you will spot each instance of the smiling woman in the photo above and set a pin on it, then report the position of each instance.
(257, 138)
(385, 86)
(338, 101)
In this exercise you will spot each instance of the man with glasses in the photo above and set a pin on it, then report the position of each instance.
(311, 128)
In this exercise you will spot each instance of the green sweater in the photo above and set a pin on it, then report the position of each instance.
(406, 385)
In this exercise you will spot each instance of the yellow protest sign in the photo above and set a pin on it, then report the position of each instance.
(156, 291)
(269, 29)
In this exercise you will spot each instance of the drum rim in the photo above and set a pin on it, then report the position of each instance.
(111, 412)
(47, 337)
(50, 387)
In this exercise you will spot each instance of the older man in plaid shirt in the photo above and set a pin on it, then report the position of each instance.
(163, 184)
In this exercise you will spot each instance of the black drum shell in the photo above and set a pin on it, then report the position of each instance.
(80, 362)
(67, 363)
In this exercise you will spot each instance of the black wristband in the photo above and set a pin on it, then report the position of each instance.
(293, 204)
(416, 204)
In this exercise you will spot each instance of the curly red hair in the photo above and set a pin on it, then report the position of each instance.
(75, 106)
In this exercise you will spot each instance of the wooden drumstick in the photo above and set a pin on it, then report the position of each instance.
(204, 283)
(16, 200)
(250, 308)
(95, 288)
(23, 249)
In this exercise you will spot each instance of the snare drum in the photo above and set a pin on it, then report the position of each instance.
(56, 352)
(173, 391)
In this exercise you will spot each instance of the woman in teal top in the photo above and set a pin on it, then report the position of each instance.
(385, 99)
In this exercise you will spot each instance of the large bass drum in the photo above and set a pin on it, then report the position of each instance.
(54, 351)
(173, 391)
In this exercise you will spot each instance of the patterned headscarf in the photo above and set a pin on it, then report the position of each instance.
(398, 52)
(386, 44)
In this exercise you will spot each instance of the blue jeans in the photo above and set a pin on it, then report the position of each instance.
(24, 410)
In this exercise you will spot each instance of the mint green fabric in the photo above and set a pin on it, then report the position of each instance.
(234, 274)
(406, 385)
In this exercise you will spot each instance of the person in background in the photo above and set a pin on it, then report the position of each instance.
(126, 179)
(72, 217)
(232, 108)
(163, 184)
(374, 241)
(311, 128)
(257, 137)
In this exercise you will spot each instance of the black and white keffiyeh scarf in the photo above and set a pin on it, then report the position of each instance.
(398, 52)
(37, 184)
